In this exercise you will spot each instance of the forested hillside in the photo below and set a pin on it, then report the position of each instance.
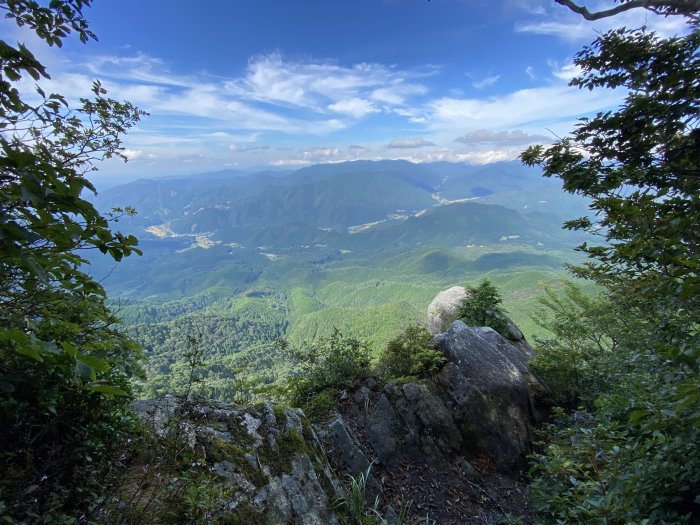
(244, 345)
(362, 247)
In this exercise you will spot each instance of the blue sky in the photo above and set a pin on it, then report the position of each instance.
(282, 83)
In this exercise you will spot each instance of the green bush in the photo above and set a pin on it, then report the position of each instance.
(411, 354)
(585, 331)
(331, 365)
(320, 405)
(625, 465)
(637, 457)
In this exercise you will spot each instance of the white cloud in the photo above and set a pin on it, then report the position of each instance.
(564, 30)
(567, 72)
(132, 154)
(522, 108)
(317, 85)
(292, 163)
(334, 155)
(534, 7)
(320, 154)
(530, 72)
(354, 107)
(136, 68)
(249, 148)
(397, 94)
(564, 24)
(515, 137)
(486, 81)
(409, 143)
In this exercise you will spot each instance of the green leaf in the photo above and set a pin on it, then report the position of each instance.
(107, 390)
(101, 365)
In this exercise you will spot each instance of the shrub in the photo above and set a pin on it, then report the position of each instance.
(412, 353)
(482, 307)
(585, 331)
(331, 365)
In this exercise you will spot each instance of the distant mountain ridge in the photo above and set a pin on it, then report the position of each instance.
(361, 247)
(341, 198)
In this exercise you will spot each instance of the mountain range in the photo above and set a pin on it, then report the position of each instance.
(361, 246)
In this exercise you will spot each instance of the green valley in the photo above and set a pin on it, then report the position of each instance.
(239, 261)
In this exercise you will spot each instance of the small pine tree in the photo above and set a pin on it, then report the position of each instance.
(482, 307)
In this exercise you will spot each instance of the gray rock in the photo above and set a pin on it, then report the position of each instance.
(384, 429)
(163, 415)
(390, 517)
(269, 420)
(581, 418)
(411, 422)
(293, 422)
(341, 445)
(492, 394)
(252, 460)
(443, 310)
(275, 479)
(468, 471)
(483, 402)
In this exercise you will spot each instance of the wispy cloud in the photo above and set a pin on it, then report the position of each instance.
(559, 21)
(409, 143)
(486, 81)
(534, 7)
(354, 107)
(514, 137)
(566, 72)
(249, 148)
(317, 85)
(522, 108)
(335, 155)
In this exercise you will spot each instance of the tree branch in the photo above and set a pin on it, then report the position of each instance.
(689, 8)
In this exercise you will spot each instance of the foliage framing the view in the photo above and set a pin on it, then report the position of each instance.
(635, 459)
(62, 362)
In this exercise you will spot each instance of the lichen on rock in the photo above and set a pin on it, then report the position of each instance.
(261, 464)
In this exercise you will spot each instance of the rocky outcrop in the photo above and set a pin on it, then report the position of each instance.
(482, 404)
(491, 393)
(263, 464)
(453, 443)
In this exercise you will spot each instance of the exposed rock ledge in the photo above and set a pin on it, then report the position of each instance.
(264, 463)
(462, 436)
(453, 444)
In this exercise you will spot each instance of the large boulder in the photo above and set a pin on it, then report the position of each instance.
(444, 309)
(491, 393)
(482, 404)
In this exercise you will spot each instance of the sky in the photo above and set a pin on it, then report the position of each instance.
(263, 84)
